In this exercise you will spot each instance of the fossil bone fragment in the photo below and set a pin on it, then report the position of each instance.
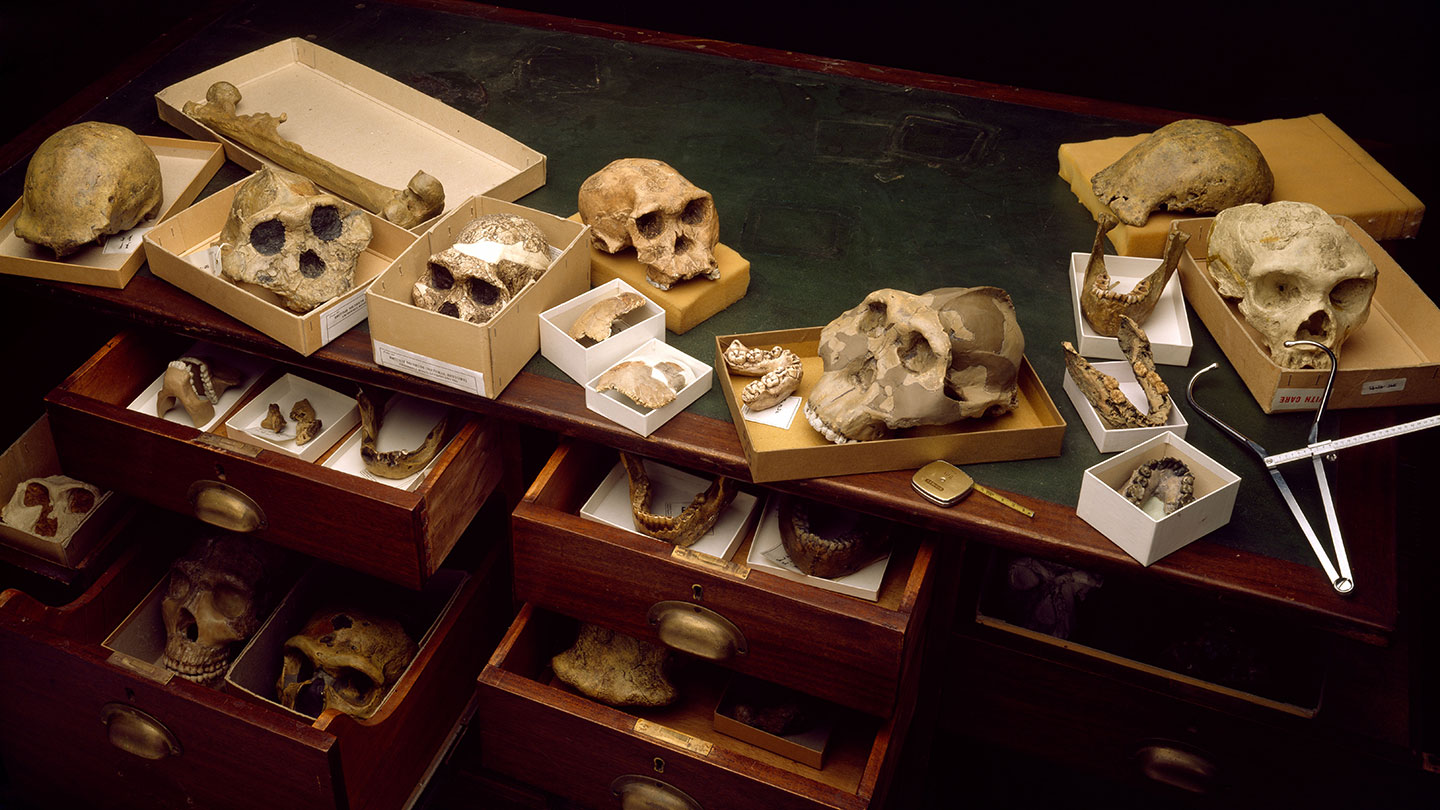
(616, 669)
(307, 423)
(343, 659)
(1103, 391)
(1298, 275)
(196, 385)
(52, 507)
(779, 370)
(684, 529)
(596, 322)
(422, 198)
(84, 182)
(288, 236)
(1188, 165)
(1167, 479)
(215, 597)
(493, 258)
(830, 542)
(899, 360)
(273, 419)
(1103, 305)
(649, 386)
(646, 204)
(393, 463)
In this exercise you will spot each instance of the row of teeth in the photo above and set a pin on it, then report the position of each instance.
(201, 672)
(822, 428)
(1115, 295)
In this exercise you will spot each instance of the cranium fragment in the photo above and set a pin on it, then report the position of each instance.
(394, 464)
(596, 322)
(646, 204)
(1103, 305)
(493, 258)
(899, 360)
(85, 181)
(197, 386)
(307, 423)
(288, 236)
(1167, 479)
(694, 520)
(1103, 391)
(830, 542)
(1298, 275)
(1188, 165)
(345, 660)
(52, 507)
(215, 597)
(649, 386)
(779, 371)
(616, 669)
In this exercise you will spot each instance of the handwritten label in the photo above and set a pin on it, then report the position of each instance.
(207, 259)
(346, 312)
(127, 242)
(436, 371)
(780, 415)
(1383, 387)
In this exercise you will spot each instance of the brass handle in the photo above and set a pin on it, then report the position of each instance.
(697, 630)
(222, 505)
(136, 732)
(1177, 767)
(645, 793)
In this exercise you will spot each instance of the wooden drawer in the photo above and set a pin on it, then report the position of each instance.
(840, 648)
(537, 730)
(234, 751)
(360, 524)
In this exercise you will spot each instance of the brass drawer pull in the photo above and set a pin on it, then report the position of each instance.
(1177, 768)
(222, 505)
(136, 732)
(697, 630)
(645, 793)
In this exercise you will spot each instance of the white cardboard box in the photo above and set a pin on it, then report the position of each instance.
(337, 414)
(621, 409)
(1113, 440)
(584, 363)
(1168, 328)
(1143, 537)
(250, 366)
(671, 491)
(767, 553)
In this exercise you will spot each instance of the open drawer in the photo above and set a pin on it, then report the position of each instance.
(396, 534)
(539, 730)
(847, 650)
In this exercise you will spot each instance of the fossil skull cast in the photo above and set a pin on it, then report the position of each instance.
(345, 660)
(288, 236)
(899, 360)
(1104, 305)
(1188, 165)
(645, 203)
(1298, 275)
(215, 597)
(85, 181)
(493, 258)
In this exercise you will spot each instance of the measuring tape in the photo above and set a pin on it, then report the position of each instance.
(986, 491)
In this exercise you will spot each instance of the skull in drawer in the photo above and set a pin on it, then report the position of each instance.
(214, 598)
(343, 659)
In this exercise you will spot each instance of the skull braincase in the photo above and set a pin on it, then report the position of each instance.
(212, 600)
(494, 256)
(645, 203)
(1298, 275)
(343, 659)
(899, 360)
(289, 237)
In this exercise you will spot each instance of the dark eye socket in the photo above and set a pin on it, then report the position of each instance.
(1277, 288)
(179, 585)
(352, 683)
(695, 211)
(230, 601)
(873, 320)
(649, 225)
(915, 353)
(1352, 293)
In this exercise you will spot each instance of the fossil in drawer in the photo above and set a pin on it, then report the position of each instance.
(196, 385)
(828, 541)
(493, 258)
(52, 507)
(616, 669)
(393, 464)
(648, 205)
(216, 595)
(343, 659)
(684, 529)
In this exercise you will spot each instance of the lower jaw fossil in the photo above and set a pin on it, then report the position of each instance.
(693, 521)
(848, 543)
(394, 464)
(1103, 391)
(1102, 305)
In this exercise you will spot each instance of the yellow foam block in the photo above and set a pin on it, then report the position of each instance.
(1312, 159)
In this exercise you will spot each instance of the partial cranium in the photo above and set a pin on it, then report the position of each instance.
(1103, 391)
(616, 669)
(596, 322)
(196, 385)
(1298, 275)
(899, 360)
(345, 660)
(215, 598)
(1103, 305)
(493, 258)
(52, 507)
(1188, 165)
(288, 236)
(779, 370)
(645, 203)
(85, 181)
(684, 529)
(649, 386)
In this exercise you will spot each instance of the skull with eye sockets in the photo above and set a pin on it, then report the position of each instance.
(343, 659)
(214, 598)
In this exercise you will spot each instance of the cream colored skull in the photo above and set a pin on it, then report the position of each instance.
(345, 660)
(1298, 275)
(645, 203)
(289, 237)
(899, 360)
(211, 602)
(1189, 165)
(493, 258)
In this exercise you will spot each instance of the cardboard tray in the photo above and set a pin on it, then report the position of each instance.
(185, 167)
(362, 120)
(1035, 429)
(1394, 359)
(1313, 161)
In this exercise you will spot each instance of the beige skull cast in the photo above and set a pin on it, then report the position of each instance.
(493, 258)
(1298, 275)
(899, 360)
(289, 237)
(345, 660)
(212, 601)
(672, 224)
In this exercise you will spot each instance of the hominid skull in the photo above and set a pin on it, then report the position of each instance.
(493, 258)
(293, 239)
(213, 600)
(645, 203)
(345, 660)
(899, 360)
(1298, 275)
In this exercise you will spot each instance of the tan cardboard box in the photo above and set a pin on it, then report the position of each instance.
(1394, 359)
(1035, 429)
(185, 167)
(478, 358)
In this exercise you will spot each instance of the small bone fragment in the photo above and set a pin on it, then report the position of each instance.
(596, 322)
(393, 463)
(636, 379)
(1104, 305)
(307, 422)
(273, 419)
(779, 371)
